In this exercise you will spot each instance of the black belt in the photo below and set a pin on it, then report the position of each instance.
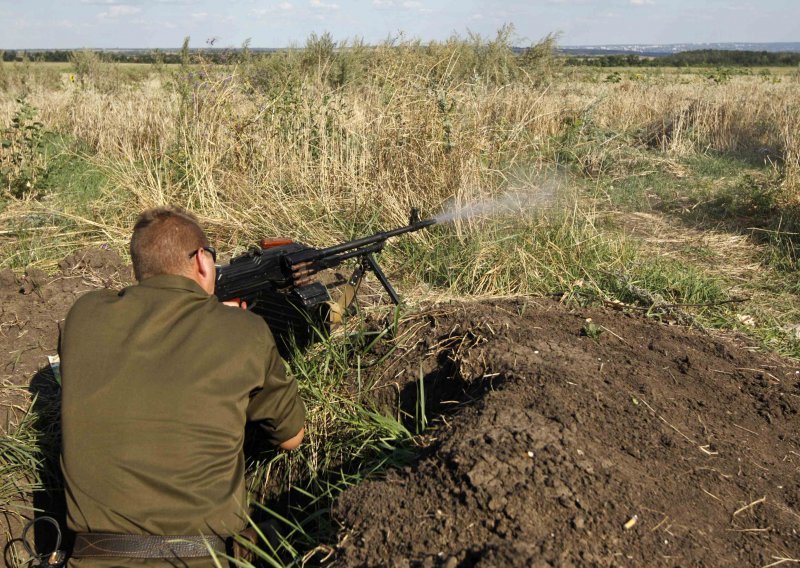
(108, 545)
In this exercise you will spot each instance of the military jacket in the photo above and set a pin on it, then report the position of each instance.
(158, 381)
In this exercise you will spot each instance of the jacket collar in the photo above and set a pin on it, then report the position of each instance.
(172, 282)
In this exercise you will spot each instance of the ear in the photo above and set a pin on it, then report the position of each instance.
(202, 265)
(196, 269)
(204, 272)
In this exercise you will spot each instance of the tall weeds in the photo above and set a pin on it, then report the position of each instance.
(790, 138)
(334, 139)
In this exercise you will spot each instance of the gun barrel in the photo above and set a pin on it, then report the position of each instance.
(317, 254)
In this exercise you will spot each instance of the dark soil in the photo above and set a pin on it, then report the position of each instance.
(547, 435)
(553, 442)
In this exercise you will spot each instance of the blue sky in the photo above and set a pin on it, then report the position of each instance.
(278, 23)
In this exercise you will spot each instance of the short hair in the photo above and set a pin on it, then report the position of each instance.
(162, 240)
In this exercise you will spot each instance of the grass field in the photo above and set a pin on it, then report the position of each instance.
(673, 192)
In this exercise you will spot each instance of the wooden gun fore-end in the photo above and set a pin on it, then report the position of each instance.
(274, 242)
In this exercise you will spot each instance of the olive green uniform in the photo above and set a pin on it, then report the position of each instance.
(158, 382)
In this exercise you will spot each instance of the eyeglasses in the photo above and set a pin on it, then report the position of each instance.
(210, 250)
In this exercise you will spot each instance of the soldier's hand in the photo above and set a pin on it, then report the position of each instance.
(235, 303)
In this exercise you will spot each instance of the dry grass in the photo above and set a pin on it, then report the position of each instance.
(732, 256)
(321, 159)
(411, 134)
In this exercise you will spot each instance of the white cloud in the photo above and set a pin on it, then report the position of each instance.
(200, 16)
(407, 4)
(642, 2)
(323, 5)
(119, 11)
(272, 9)
(102, 2)
(476, 17)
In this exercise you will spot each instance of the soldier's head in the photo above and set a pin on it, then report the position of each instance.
(170, 240)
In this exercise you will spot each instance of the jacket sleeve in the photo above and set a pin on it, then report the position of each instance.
(276, 406)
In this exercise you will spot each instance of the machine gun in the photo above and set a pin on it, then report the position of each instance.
(275, 280)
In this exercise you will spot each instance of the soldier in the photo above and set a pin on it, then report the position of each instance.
(158, 383)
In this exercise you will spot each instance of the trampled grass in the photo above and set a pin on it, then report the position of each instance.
(328, 143)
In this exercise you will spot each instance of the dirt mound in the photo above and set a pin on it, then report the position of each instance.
(615, 441)
(34, 303)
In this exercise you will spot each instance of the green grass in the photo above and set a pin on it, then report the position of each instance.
(73, 182)
(667, 281)
(734, 194)
(67, 191)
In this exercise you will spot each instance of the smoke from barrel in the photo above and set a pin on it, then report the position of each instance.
(517, 201)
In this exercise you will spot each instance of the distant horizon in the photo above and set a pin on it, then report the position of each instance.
(277, 24)
(795, 44)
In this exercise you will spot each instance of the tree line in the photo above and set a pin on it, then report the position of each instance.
(151, 57)
(695, 58)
